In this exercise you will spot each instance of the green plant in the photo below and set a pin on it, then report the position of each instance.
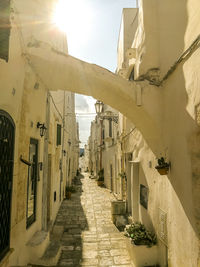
(140, 235)
(101, 175)
(162, 164)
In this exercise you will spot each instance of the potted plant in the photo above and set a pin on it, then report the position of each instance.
(141, 245)
(100, 180)
(140, 235)
(69, 190)
(163, 166)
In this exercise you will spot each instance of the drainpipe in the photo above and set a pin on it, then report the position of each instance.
(45, 166)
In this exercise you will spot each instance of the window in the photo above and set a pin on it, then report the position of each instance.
(110, 127)
(4, 28)
(58, 135)
(32, 183)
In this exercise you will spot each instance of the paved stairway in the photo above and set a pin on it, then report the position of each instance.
(85, 230)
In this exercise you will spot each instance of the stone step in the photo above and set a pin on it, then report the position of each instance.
(51, 255)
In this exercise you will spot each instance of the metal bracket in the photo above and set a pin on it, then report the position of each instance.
(25, 161)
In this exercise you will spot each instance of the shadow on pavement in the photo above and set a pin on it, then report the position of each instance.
(71, 220)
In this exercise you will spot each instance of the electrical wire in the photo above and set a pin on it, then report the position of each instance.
(186, 54)
(128, 133)
(55, 106)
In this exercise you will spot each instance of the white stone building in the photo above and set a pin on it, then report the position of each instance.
(156, 57)
(35, 166)
(158, 51)
(161, 99)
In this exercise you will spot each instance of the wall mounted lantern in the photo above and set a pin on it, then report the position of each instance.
(99, 109)
(42, 128)
(98, 106)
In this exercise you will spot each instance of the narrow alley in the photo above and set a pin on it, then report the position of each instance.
(111, 90)
(85, 230)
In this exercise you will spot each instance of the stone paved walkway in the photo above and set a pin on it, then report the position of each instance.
(89, 237)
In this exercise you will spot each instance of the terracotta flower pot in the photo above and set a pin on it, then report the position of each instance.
(163, 171)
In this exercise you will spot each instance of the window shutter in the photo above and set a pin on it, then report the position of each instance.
(58, 135)
(4, 28)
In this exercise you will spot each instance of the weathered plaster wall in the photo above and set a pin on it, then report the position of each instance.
(62, 111)
(108, 160)
(146, 41)
(160, 41)
(26, 105)
(55, 152)
(34, 20)
(17, 90)
(126, 35)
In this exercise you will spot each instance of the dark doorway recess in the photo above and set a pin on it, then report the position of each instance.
(7, 137)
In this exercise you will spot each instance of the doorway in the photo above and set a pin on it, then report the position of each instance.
(49, 186)
(135, 190)
(128, 184)
(7, 136)
(32, 183)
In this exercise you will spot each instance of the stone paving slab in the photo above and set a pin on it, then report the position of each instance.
(87, 234)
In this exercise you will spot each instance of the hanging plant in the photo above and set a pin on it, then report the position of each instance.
(163, 166)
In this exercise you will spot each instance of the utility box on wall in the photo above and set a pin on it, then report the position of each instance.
(118, 209)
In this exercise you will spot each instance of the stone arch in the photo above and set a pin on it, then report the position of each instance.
(59, 71)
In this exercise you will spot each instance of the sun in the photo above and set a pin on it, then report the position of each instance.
(74, 17)
(59, 16)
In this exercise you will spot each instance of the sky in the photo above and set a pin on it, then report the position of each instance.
(92, 28)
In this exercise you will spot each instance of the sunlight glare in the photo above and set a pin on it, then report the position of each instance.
(73, 17)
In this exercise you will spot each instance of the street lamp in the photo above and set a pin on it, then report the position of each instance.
(99, 109)
(42, 128)
(98, 106)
